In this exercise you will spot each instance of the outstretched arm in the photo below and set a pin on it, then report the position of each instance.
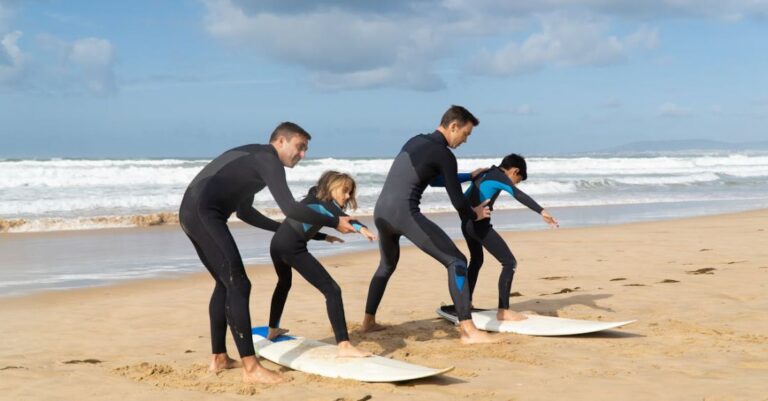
(247, 213)
(273, 174)
(526, 200)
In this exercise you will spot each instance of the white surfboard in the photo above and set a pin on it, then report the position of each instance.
(535, 325)
(311, 356)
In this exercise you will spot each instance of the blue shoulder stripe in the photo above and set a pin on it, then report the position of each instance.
(489, 188)
(320, 209)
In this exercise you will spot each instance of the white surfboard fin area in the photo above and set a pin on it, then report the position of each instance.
(315, 357)
(535, 325)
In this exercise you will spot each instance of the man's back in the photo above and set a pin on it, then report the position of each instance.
(230, 178)
(421, 159)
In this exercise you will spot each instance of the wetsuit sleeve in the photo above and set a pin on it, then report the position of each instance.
(273, 175)
(453, 187)
(439, 181)
(526, 200)
(355, 223)
(247, 213)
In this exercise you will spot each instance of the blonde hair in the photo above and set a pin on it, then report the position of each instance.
(331, 180)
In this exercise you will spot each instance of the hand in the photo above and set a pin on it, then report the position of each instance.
(478, 171)
(344, 226)
(368, 234)
(482, 210)
(332, 239)
(549, 219)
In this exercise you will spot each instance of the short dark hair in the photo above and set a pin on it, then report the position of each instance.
(288, 130)
(514, 160)
(460, 115)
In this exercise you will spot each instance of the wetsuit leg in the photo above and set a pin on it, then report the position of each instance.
(284, 279)
(389, 250)
(430, 238)
(314, 272)
(500, 250)
(217, 310)
(213, 239)
(475, 257)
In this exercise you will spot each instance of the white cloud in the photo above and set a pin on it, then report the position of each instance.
(563, 41)
(92, 60)
(347, 48)
(673, 110)
(332, 41)
(357, 44)
(725, 10)
(11, 59)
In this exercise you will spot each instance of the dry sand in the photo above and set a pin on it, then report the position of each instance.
(697, 286)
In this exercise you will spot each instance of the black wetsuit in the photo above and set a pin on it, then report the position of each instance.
(289, 249)
(397, 213)
(225, 186)
(481, 234)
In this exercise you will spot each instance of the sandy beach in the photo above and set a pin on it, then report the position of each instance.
(697, 287)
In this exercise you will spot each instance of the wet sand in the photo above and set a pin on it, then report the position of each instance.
(697, 287)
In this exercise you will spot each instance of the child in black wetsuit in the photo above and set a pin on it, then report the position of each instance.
(333, 194)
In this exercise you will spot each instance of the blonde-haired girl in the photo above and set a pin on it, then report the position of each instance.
(333, 194)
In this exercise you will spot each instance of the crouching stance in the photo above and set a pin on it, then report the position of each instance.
(333, 194)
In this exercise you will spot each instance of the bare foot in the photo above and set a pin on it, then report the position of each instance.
(506, 314)
(369, 324)
(346, 349)
(471, 335)
(253, 372)
(274, 333)
(262, 375)
(220, 362)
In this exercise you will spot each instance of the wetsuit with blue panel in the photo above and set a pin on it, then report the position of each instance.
(397, 213)
(480, 234)
(289, 249)
(228, 185)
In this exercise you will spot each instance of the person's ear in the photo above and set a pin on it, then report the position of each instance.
(453, 126)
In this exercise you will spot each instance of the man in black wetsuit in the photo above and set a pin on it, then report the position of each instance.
(227, 185)
(397, 213)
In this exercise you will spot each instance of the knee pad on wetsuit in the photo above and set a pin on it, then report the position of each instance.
(459, 269)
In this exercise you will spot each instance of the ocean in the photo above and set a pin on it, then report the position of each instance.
(98, 201)
(71, 194)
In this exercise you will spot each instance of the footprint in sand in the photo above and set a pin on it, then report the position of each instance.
(12, 367)
(554, 278)
(515, 294)
(618, 279)
(703, 270)
(79, 361)
(563, 291)
(705, 249)
(634, 285)
(668, 281)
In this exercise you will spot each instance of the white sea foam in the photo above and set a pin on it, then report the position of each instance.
(63, 194)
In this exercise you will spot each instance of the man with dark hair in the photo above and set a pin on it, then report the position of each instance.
(397, 214)
(288, 130)
(485, 188)
(227, 185)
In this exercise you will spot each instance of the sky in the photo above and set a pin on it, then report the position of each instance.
(123, 79)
